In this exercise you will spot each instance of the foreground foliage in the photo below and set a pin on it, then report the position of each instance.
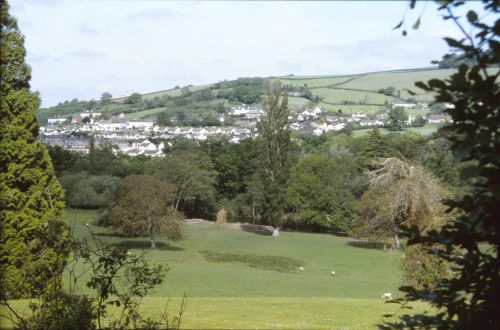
(33, 234)
(117, 278)
(468, 300)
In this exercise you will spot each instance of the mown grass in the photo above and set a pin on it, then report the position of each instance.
(240, 290)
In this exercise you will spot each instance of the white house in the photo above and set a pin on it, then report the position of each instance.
(56, 120)
(436, 119)
(90, 114)
(405, 105)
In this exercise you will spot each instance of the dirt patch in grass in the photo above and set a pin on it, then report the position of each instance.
(276, 263)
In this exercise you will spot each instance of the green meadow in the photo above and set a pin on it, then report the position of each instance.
(241, 279)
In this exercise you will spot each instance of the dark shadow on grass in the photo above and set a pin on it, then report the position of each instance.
(107, 234)
(367, 245)
(259, 230)
(146, 245)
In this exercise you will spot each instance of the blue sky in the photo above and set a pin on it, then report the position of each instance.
(84, 48)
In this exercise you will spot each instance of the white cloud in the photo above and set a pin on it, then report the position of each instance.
(86, 52)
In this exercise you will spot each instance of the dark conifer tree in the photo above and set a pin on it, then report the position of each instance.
(33, 234)
(377, 147)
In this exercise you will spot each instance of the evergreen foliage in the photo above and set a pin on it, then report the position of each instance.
(274, 138)
(33, 234)
(377, 146)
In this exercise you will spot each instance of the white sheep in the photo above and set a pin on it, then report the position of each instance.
(301, 268)
(333, 273)
(387, 296)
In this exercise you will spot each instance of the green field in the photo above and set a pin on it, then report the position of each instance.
(424, 130)
(336, 95)
(292, 100)
(235, 295)
(318, 81)
(349, 109)
(335, 89)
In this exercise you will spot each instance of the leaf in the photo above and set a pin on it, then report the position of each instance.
(454, 43)
(398, 26)
(404, 33)
(472, 16)
(409, 91)
(412, 4)
(436, 83)
(417, 24)
(422, 85)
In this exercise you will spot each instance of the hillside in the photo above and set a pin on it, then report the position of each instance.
(367, 92)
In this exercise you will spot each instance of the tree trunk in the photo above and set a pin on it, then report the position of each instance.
(396, 240)
(253, 212)
(151, 233)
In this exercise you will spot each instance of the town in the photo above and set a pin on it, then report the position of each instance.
(146, 137)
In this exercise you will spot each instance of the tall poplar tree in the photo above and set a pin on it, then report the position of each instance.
(274, 137)
(33, 234)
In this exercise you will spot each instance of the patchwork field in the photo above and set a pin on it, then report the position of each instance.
(243, 292)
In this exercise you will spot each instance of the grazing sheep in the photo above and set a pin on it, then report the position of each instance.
(301, 268)
(333, 273)
(387, 296)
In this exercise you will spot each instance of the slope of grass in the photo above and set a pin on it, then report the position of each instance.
(361, 272)
(336, 95)
(236, 295)
(318, 81)
(293, 100)
(400, 80)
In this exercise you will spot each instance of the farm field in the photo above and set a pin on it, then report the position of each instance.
(293, 100)
(236, 295)
(337, 95)
(349, 109)
(352, 88)
(427, 129)
(318, 81)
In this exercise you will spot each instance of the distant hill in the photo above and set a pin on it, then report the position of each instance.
(203, 103)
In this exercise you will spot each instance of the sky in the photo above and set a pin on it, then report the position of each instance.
(80, 49)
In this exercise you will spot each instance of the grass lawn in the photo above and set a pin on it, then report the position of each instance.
(236, 292)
